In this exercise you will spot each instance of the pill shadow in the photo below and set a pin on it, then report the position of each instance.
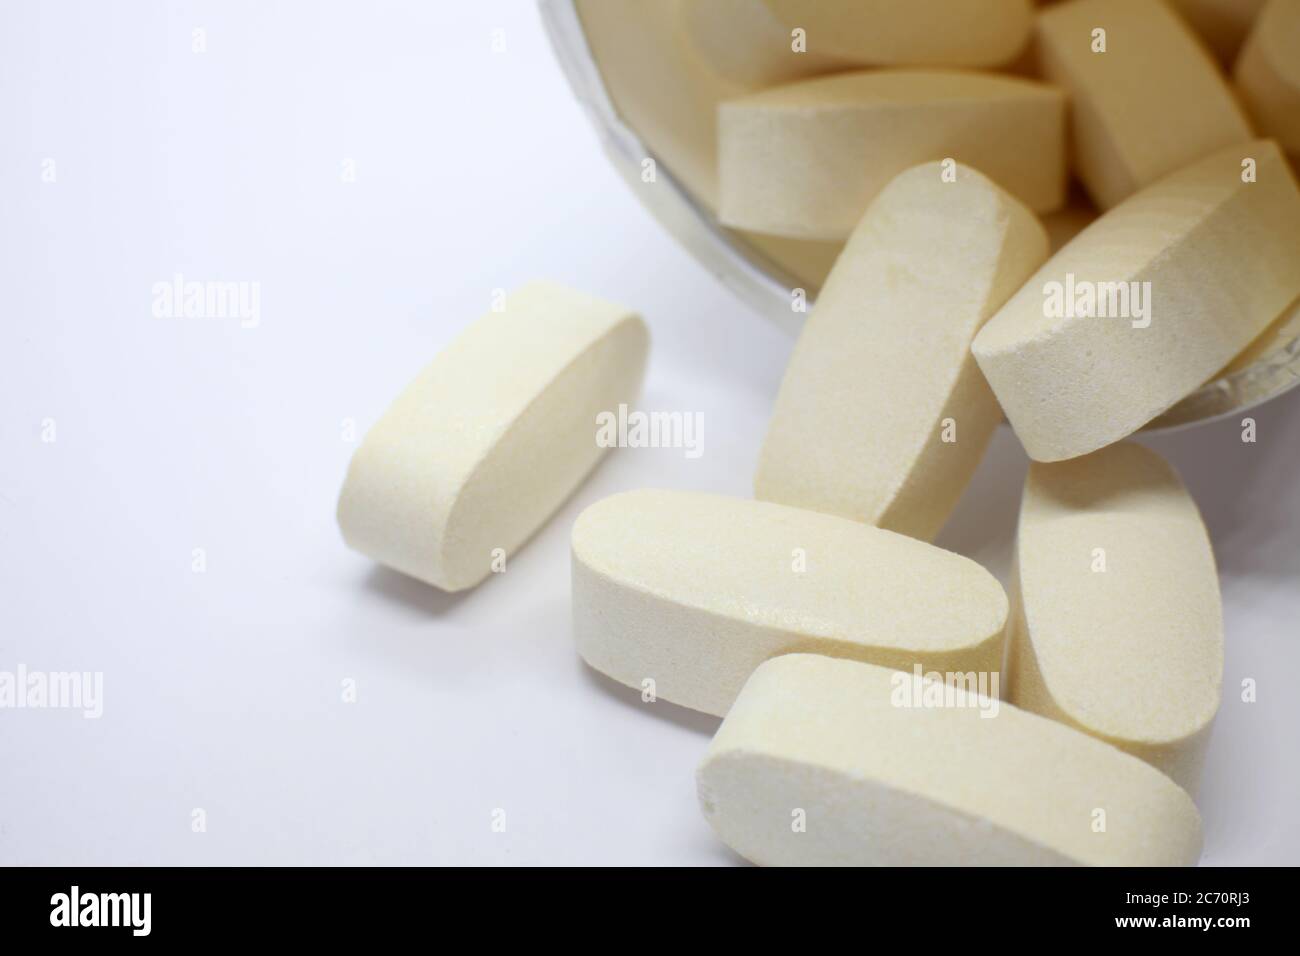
(983, 525)
(414, 595)
(692, 720)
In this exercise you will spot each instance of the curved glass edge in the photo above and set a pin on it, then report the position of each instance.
(766, 287)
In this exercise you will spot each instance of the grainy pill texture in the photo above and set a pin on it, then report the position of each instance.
(693, 591)
(492, 436)
(806, 159)
(1146, 303)
(883, 414)
(911, 33)
(1118, 628)
(1268, 73)
(820, 763)
(1153, 101)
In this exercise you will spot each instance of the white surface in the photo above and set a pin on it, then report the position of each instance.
(222, 690)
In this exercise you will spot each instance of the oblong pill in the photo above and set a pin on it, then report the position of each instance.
(805, 159)
(1146, 303)
(1118, 628)
(1268, 73)
(492, 436)
(883, 415)
(693, 591)
(1148, 103)
(915, 33)
(743, 41)
(825, 762)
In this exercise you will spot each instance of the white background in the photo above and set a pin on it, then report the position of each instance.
(222, 690)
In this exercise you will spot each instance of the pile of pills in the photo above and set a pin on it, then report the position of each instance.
(1070, 214)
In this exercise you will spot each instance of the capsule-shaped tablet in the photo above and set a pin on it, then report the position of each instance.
(684, 594)
(745, 42)
(1146, 303)
(883, 415)
(805, 159)
(1145, 96)
(1268, 73)
(912, 33)
(825, 762)
(1118, 628)
(492, 436)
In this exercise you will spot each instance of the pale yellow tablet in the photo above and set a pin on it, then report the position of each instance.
(682, 595)
(744, 41)
(1118, 627)
(969, 33)
(825, 762)
(1147, 303)
(1268, 73)
(883, 415)
(1145, 95)
(492, 436)
(804, 160)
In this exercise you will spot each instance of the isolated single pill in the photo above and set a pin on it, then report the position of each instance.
(1117, 629)
(1145, 96)
(883, 414)
(492, 436)
(1268, 73)
(912, 33)
(806, 159)
(824, 762)
(684, 594)
(745, 42)
(1147, 303)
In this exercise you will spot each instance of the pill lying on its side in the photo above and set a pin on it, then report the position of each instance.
(883, 415)
(1147, 303)
(692, 591)
(805, 159)
(1117, 626)
(911, 33)
(825, 762)
(1268, 74)
(492, 436)
(743, 41)
(1145, 97)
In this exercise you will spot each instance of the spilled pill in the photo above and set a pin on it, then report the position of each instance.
(824, 762)
(1145, 96)
(805, 159)
(690, 592)
(883, 415)
(1118, 627)
(1146, 303)
(492, 436)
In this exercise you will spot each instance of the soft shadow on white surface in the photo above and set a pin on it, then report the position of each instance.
(475, 171)
(412, 593)
(693, 720)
